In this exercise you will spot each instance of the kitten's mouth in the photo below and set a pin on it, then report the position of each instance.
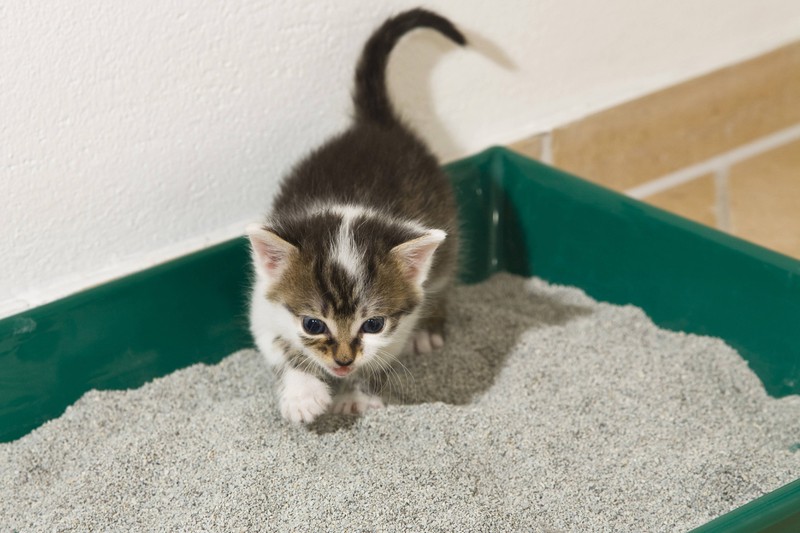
(341, 371)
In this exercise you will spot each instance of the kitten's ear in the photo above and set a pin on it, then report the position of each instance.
(270, 252)
(416, 256)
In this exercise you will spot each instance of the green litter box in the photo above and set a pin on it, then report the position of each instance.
(518, 216)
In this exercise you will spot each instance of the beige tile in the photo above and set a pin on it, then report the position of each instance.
(695, 200)
(685, 124)
(530, 146)
(764, 197)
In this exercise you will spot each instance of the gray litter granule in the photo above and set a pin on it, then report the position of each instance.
(545, 411)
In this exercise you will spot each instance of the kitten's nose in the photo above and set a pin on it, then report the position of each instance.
(343, 355)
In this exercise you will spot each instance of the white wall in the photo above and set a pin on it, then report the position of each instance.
(132, 132)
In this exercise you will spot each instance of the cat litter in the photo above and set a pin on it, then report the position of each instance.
(545, 411)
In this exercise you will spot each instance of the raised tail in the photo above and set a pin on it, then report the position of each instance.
(371, 97)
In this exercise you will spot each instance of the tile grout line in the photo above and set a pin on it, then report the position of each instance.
(547, 148)
(721, 199)
(716, 163)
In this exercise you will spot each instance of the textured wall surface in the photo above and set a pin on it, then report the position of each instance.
(132, 132)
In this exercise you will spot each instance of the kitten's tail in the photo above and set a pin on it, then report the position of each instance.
(371, 97)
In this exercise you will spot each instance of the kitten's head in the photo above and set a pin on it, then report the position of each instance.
(350, 281)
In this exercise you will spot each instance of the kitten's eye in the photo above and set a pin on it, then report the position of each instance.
(313, 326)
(373, 325)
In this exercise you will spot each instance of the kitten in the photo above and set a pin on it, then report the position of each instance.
(358, 252)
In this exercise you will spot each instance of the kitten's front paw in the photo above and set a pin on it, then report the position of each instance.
(304, 409)
(426, 342)
(355, 402)
(304, 397)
